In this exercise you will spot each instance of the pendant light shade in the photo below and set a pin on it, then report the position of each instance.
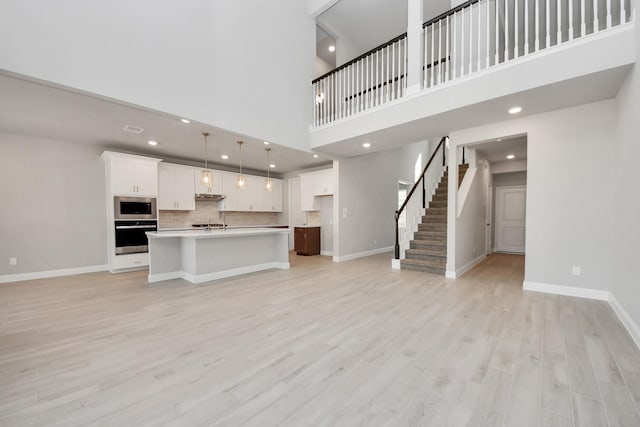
(206, 178)
(268, 184)
(241, 180)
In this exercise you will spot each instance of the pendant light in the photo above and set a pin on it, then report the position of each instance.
(206, 178)
(268, 185)
(241, 180)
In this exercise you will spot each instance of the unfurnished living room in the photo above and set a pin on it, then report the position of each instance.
(319, 212)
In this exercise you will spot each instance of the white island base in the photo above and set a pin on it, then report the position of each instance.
(200, 256)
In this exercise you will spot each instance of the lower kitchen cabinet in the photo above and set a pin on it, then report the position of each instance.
(306, 240)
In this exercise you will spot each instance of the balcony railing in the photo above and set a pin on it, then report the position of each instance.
(474, 36)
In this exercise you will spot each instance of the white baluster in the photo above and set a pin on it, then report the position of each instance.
(488, 34)
(425, 59)
(433, 52)
(377, 79)
(583, 26)
(406, 66)
(596, 22)
(570, 20)
(387, 76)
(479, 36)
(537, 22)
(559, 22)
(455, 46)
(548, 16)
(440, 51)
(462, 43)
(448, 51)
(516, 47)
(506, 30)
(497, 33)
(622, 12)
(526, 27)
(470, 39)
(393, 71)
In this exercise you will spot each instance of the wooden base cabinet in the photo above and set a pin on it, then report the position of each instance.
(307, 240)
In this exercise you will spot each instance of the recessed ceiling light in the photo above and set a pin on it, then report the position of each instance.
(511, 156)
(272, 166)
(366, 145)
(224, 156)
(515, 110)
(266, 142)
(315, 156)
(332, 48)
(185, 120)
(499, 139)
(152, 142)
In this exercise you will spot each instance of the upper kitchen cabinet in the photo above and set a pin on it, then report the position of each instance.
(250, 197)
(272, 200)
(230, 202)
(323, 183)
(214, 188)
(307, 202)
(176, 187)
(130, 175)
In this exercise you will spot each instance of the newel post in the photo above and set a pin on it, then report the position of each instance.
(415, 51)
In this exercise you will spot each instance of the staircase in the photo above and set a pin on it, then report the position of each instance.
(428, 249)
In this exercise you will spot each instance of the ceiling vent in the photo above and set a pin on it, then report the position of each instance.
(133, 129)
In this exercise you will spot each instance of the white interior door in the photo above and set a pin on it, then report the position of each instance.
(510, 219)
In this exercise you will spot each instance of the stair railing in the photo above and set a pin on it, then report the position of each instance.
(420, 181)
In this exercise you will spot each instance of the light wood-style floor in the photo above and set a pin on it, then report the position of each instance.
(349, 344)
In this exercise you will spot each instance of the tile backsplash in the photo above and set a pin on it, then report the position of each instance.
(207, 212)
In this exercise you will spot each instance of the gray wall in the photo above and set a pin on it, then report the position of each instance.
(53, 205)
(626, 193)
(368, 190)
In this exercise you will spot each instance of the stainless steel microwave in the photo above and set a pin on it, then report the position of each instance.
(134, 207)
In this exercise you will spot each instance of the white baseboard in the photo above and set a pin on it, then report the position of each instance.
(362, 254)
(326, 253)
(52, 273)
(395, 264)
(200, 278)
(454, 274)
(625, 319)
(570, 291)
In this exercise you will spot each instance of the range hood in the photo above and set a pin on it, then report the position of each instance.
(211, 197)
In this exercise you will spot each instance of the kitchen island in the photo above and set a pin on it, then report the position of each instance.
(201, 255)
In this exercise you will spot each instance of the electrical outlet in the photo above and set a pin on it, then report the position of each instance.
(13, 261)
(576, 270)
(375, 242)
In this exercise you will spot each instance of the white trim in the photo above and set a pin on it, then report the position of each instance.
(200, 278)
(52, 273)
(362, 254)
(570, 291)
(454, 274)
(625, 319)
(395, 264)
(326, 253)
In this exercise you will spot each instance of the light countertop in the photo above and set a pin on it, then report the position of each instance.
(214, 233)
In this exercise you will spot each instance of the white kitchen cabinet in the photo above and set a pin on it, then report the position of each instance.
(272, 200)
(133, 175)
(230, 202)
(323, 183)
(214, 188)
(250, 197)
(176, 187)
(307, 202)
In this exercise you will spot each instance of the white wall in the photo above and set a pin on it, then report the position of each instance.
(52, 214)
(322, 67)
(508, 166)
(368, 191)
(627, 195)
(243, 66)
(469, 219)
(570, 181)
